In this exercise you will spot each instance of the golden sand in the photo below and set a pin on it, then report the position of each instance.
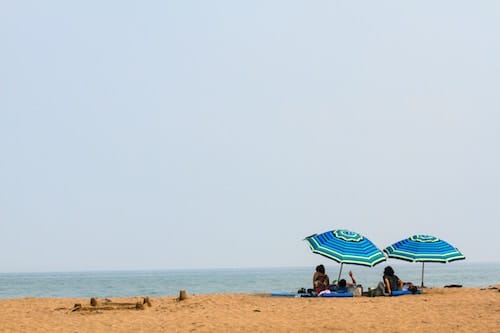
(436, 310)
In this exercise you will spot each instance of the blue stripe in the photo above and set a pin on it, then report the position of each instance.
(345, 246)
(423, 248)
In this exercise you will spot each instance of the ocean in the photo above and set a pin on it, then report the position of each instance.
(242, 280)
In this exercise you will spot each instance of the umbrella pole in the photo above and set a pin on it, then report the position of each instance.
(341, 264)
(422, 275)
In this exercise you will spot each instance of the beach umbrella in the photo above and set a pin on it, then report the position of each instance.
(423, 248)
(346, 247)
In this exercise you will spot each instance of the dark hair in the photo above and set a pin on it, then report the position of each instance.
(342, 283)
(320, 269)
(388, 271)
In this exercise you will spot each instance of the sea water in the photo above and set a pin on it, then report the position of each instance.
(242, 280)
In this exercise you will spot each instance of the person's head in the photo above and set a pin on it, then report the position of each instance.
(320, 269)
(388, 271)
(342, 283)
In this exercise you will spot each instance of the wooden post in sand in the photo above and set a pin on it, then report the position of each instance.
(182, 295)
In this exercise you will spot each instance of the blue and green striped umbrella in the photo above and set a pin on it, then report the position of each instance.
(346, 247)
(423, 248)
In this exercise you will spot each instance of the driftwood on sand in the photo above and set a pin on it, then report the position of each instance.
(107, 304)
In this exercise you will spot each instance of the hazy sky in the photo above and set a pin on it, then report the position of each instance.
(198, 134)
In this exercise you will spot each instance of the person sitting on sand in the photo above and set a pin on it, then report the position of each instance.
(392, 282)
(321, 281)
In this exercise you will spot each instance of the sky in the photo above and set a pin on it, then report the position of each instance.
(219, 134)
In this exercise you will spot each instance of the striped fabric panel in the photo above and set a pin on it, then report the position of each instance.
(423, 248)
(347, 247)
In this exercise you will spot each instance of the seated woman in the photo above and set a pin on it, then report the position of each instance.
(393, 283)
(321, 281)
(391, 280)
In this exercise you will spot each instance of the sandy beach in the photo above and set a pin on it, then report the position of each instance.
(437, 309)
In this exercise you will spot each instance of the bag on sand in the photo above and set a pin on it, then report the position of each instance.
(356, 290)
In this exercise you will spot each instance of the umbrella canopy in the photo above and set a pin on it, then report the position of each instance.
(346, 247)
(423, 248)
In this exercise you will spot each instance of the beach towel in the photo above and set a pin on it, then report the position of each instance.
(404, 292)
(347, 294)
(287, 294)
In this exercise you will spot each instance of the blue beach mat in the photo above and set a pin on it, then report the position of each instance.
(404, 292)
(338, 295)
(285, 294)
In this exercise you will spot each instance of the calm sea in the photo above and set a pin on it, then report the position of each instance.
(208, 281)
